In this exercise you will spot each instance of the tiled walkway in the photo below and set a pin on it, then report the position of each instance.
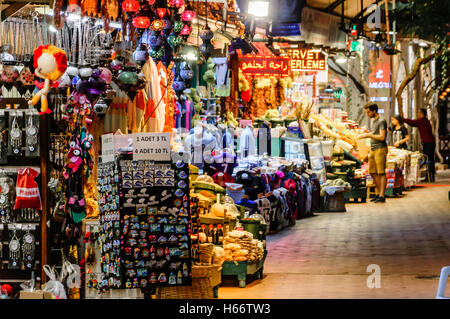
(326, 256)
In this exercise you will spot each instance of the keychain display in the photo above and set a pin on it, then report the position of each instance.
(32, 134)
(154, 226)
(110, 236)
(7, 194)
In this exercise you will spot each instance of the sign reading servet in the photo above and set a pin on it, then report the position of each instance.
(151, 146)
(107, 148)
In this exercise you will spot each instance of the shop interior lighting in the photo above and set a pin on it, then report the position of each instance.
(52, 29)
(448, 90)
(258, 8)
(423, 44)
(112, 24)
(341, 59)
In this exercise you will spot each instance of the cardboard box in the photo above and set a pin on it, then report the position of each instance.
(37, 294)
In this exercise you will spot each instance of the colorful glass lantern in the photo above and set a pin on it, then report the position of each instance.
(161, 12)
(186, 30)
(176, 3)
(130, 6)
(141, 22)
(188, 15)
(158, 25)
(151, 2)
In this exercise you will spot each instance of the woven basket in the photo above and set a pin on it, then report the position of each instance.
(200, 289)
(205, 253)
(204, 271)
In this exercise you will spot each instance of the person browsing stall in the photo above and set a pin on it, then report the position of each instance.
(400, 135)
(427, 137)
(378, 150)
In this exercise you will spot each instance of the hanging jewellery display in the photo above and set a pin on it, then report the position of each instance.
(14, 250)
(7, 191)
(32, 135)
(16, 137)
(28, 248)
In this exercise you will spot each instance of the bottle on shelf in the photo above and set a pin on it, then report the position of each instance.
(210, 234)
(219, 235)
(202, 236)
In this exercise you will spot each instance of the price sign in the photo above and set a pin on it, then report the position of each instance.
(151, 146)
(107, 148)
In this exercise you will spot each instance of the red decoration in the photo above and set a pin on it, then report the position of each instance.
(151, 2)
(265, 65)
(354, 32)
(7, 289)
(188, 15)
(161, 12)
(130, 6)
(176, 3)
(141, 22)
(186, 30)
(27, 190)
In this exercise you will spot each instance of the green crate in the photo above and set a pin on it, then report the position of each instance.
(252, 226)
(243, 268)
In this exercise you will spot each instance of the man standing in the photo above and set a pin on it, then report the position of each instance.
(378, 150)
(427, 137)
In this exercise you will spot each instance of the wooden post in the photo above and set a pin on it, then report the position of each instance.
(44, 180)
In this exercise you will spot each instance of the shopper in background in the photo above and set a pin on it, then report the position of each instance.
(378, 150)
(427, 137)
(400, 136)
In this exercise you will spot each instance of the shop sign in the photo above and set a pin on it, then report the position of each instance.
(107, 148)
(151, 146)
(307, 60)
(265, 65)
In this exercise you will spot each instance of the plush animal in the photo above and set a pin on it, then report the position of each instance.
(49, 64)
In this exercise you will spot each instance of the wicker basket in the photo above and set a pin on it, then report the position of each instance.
(205, 253)
(200, 289)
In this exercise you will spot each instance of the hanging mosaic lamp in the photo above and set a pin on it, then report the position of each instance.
(151, 2)
(178, 26)
(188, 14)
(141, 22)
(176, 3)
(206, 34)
(157, 25)
(186, 73)
(186, 30)
(140, 55)
(128, 77)
(130, 6)
(206, 48)
(178, 84)
(155, 40)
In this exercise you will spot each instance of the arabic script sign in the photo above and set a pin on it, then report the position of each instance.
(265, 65)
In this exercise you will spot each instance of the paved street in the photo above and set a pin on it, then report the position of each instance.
(326, 256)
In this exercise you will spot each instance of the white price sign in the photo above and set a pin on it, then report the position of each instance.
(151, 146)
(107, 148)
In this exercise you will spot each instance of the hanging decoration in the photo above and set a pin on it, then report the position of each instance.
(206, 35)
(49, 64)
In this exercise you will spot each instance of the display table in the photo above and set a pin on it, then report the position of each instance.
(243, 268)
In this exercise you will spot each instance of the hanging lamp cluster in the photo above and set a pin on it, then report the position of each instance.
(167, 23)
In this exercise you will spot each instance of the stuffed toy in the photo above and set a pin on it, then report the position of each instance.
(49, 64)
(86, 144)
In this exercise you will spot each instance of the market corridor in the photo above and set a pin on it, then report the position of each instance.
(326, 256)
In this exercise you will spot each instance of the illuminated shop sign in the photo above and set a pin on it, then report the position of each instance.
(307, 60)
(265, 65)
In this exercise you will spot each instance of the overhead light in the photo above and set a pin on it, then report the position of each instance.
(73, 17)
(258, 8)
(316, 50)
(423, 44)
(52, 29)
(341, 59)
(375, 31)
(112, 24)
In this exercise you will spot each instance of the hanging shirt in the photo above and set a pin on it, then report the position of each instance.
(247, 143)
(225, 163)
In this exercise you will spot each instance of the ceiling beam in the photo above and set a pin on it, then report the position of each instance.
(13, 8)
(334, 5)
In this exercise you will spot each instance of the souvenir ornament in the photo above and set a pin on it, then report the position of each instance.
(206, 34)
(16, 137)
(176, 3)
(27, 190)
(128, 78)
(188, 15)
(186, 74)
(28, 248)
(32, 132)
(100, 107)
(141, 22)
(14, 249)
(140, 55)
(155, 40)
(49, 63)
(85, 72)
(26, 76)
(186, 30)
(178, 26)
(105, 75)
(72, 71)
